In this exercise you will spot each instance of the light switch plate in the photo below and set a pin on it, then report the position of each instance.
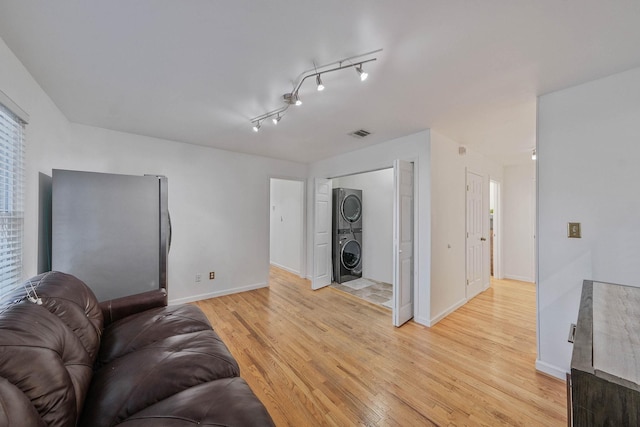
(573, 230)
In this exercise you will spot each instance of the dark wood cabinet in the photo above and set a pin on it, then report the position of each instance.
(605, 365)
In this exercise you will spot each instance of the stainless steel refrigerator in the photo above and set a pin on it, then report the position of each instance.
(111, 231)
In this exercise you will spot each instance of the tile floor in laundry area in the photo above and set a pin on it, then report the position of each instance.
(370, 290)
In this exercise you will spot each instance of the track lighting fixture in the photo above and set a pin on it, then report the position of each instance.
(533, 155)
(363, 74)
(292, 98)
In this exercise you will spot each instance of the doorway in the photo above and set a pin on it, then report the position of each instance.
(475, 238)
(518, 223)
(494, 229)
(286, 229)
(402, 249)
(373, 236)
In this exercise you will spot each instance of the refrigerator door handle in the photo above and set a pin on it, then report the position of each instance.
(170, 231)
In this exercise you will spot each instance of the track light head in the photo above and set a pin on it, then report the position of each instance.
(319, 83)
(363, 74)
(533, 155)
(292, 98)
(256, 126)
(276, 119)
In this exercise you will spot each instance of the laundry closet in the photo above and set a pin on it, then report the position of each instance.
(363, 233)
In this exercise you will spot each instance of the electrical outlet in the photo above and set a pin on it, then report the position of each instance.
(198, 277)
(212, 275)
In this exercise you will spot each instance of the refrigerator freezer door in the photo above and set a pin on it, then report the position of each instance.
(106, 231)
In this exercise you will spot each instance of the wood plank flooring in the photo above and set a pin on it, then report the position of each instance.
(325, 358)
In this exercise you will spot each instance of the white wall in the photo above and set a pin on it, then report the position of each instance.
(47, 129)
(448, 221)
(518, 222)
(287, 221)
(414, 148)
(448, 225)
(588, 172)
(377, 221)
(219, 200)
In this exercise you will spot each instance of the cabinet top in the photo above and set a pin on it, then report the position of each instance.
(616, 330)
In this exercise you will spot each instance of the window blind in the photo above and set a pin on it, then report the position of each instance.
(11, 199)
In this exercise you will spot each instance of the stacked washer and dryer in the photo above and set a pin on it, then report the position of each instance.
(347, 234)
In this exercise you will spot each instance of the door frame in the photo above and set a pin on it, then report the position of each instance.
(303, 243)
(497, 227)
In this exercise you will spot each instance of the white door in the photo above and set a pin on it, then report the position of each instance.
(403, 243)
(322, 234)
(475, 238)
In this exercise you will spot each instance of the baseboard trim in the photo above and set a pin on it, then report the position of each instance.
(217, 294)
(290, 270)
(518, 278)
(552, 370)
(422, 321)
(447, 312)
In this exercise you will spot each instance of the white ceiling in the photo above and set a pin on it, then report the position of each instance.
(196, 71)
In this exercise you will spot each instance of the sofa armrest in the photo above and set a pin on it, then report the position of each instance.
(119, 308)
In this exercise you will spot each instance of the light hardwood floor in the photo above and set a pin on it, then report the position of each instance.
(323, 357)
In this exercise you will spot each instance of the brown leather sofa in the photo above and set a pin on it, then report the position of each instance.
(66, 360)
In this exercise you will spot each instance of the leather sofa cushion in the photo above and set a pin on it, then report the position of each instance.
(47, 350)
(152, 356)
(225, 402)
(74, 303)
(146, 327)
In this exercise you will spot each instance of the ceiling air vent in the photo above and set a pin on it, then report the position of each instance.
(360, 133)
